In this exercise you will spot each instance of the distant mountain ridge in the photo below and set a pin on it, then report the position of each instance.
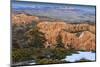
(69, 14)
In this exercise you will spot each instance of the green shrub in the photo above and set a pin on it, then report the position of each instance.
(48, 61)
(21, 55)
(40, 55)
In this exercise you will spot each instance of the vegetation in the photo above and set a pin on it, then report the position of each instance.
(50, 61)
(28, 44)
(59, 42)
(35, 37)
(19, 55)
(40, 55)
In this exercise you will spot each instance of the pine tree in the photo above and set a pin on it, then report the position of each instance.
(59, 41)
(36, 38)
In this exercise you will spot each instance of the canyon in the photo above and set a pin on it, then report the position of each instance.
(78, 36)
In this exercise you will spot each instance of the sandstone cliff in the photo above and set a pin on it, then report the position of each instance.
(23, 19)
(76, 36)
(84, 41)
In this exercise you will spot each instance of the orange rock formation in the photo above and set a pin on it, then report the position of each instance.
(85, 41)
(23, 19)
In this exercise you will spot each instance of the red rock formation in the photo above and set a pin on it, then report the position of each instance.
(70, 40)
(86, 41)
(92, 28)
(23, 19)
(51, 31)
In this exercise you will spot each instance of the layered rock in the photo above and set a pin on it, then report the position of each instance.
(23, 19)
(83, 41)
(76, 36)
(70, 40)
(51, 31)
(87, 41)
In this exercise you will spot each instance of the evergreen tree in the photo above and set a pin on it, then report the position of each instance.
(59, 42)
(36, 38)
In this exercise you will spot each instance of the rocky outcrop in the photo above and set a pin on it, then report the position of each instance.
(70, 40)
(51, 31)
(23, 19)
(75, 36)
(87, 41)
(83, 41)
(26, 19)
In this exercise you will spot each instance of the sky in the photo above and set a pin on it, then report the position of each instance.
(36, 4)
